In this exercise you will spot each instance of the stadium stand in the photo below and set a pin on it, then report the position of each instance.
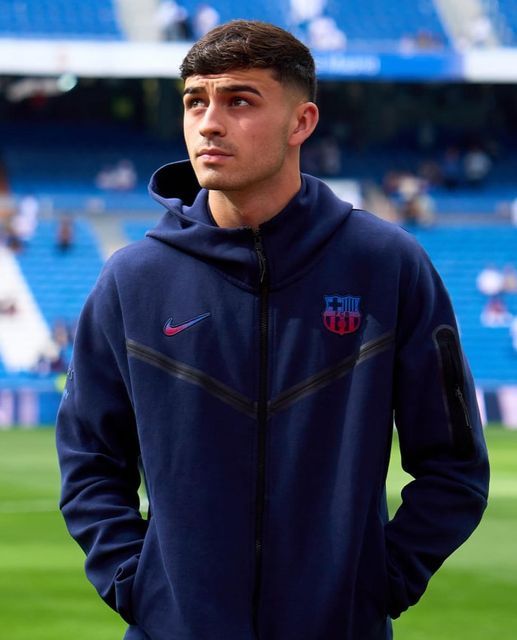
(60, 281)
(377, 21)
(365, 24)
(42, 160)
(268, 10)
(73, 19)
(57, 153)
(45, 161)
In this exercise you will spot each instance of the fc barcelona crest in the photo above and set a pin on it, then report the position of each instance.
(341, 314)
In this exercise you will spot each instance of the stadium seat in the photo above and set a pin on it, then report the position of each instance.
(95, 19)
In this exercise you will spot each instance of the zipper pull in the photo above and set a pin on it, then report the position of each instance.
(261, 255)
(461, 399)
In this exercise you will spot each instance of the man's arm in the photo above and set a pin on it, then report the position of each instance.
(441, 440)
(98, 452)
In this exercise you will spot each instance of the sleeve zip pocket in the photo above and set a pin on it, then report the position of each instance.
(453, 380)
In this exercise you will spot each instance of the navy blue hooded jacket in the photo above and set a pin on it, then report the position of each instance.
(254, 376)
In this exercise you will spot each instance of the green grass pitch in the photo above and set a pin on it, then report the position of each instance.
(45, 596)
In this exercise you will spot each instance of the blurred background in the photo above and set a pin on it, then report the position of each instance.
(418, 101)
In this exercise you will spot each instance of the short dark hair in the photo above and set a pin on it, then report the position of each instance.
(251, 44)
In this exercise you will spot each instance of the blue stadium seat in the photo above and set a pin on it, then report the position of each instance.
(77, 19)
(504, 15)
(371, 20)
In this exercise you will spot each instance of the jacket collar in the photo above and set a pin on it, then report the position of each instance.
(292, 240)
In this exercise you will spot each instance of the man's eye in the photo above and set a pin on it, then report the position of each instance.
(239, 102)
(194, 103)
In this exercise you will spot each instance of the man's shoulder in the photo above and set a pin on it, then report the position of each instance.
(130, 264)
(374, 233)
(135, 255)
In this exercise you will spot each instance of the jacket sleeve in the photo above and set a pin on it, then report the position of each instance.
(441, 440)
(98, 451)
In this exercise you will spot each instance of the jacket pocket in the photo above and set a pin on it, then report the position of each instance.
(453, 381)
(372, 588)
(371, 610)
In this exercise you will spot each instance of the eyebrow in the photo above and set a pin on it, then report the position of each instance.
(232, 88)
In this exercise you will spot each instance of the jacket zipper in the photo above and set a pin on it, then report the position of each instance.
(262, 417)
(454, 381)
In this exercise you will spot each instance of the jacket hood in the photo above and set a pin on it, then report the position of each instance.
(292, 240)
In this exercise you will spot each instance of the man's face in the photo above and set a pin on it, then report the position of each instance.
(237, 127)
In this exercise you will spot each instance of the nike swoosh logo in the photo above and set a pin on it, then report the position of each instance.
(172, 329)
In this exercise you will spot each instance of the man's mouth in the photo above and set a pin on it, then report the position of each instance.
(213, 152)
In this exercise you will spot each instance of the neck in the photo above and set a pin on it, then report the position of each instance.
(253, 207)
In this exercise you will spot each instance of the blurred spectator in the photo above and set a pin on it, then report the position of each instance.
(125, 175)
(25, 221)
(50, 360)
(205, 19)
(509, 279)
(495, 314)
(324, 34)
(390, 184)
(490, 281)
(8, 306)
(409, 186)
(11, 238)
(476, 166)
(54, 357)
(513, 333)
(429, 170)
(329, 157)
(322, 157)
(305, 10)
(7, 210)
(408, 193)
(513, 212)
(426, 135)
(65, 233)
(121, 177)
(451, 167)
(173, 21)
(61, 334)
(426, 39)
(422, 40)
(104, 179)
(479, 32)
(319, 30)
(418, 210)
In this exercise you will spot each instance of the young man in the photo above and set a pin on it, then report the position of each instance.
(250, 354)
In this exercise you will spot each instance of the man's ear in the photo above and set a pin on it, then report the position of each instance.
(305, 120)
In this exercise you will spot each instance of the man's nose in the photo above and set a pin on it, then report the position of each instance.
(212, 122)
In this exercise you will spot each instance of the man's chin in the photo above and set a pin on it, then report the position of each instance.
(213, 181)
